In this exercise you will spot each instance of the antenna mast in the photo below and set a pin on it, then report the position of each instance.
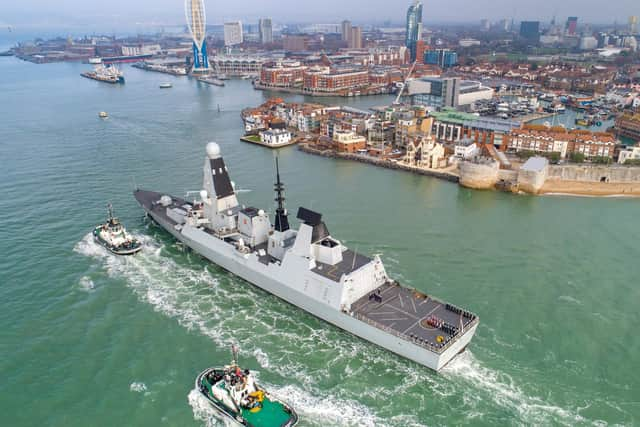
(282, 222)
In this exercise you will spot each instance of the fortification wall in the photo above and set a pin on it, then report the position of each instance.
(595, 173)
(482, 176)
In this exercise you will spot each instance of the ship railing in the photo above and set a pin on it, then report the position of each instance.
(414, 340)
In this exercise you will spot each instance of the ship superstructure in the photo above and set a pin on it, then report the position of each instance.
(310, 269)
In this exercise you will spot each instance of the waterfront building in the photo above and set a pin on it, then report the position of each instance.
(408, 127)
(233, 33)
(309, 117)
(425, 152)
(466, 149)
(346, 31)
(447, 92)
(284, 74)
(239, 65)
(540, 139)
(266, 30)
(444, 58)
(384, 76)
(413, 28)
(530, 31)
(275, 137)
(632, 153)
(452, 126)
(349, 141)
(628, 125)
(381, 133)
(337, 79)
(141, 49)
(197, 23)
(571, 26)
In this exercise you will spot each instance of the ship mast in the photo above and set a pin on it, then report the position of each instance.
(110, 211)
(282, 222)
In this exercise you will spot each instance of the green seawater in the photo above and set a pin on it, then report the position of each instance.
(88, 338)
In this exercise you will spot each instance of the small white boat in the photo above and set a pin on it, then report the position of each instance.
(103, 114)
(165, 85)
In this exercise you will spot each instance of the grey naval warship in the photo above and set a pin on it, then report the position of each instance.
(309, 268)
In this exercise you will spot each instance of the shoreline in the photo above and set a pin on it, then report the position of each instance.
(591, 189)
(552, 187)
(297, 91)
(447, 176)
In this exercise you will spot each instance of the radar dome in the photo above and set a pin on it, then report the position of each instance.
(213, 150)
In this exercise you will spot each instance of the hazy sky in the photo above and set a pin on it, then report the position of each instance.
(127, 12)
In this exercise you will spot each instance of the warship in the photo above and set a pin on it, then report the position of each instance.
(236, 397)
(310, 268)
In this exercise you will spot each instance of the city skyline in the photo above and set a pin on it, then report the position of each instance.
(169, 12)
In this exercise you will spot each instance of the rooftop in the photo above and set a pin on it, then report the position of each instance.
(535, 164)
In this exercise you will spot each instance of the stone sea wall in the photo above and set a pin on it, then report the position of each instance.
(479, 176)
(595, 173)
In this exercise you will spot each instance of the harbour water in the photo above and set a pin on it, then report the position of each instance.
(91, 339)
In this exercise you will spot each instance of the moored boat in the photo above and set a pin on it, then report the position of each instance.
(236, 396)
(108, 74)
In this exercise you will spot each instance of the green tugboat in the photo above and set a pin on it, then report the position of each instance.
(236, 397)
(113, 236)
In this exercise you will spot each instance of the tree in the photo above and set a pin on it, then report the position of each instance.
(577, 157)
(553, 157)
(601, 160)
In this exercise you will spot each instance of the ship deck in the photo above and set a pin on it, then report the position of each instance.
(351, 261)
(404, 312)
(149, 201)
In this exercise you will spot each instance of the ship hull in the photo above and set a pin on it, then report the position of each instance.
(270, 279)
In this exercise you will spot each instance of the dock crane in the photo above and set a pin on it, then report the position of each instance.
(404, 84)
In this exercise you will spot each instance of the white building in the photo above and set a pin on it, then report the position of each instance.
(275, 137)
(466, 149)
(425, 152)
(141, 49)
(447, 92)
(588, 43)
(632, 153)
(233, 33)
(468, 42)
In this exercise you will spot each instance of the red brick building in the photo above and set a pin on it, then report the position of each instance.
(335, 80)
(541, 139)
(282, 74)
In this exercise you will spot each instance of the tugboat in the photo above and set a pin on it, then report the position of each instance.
(235, 395)
(113, 236)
